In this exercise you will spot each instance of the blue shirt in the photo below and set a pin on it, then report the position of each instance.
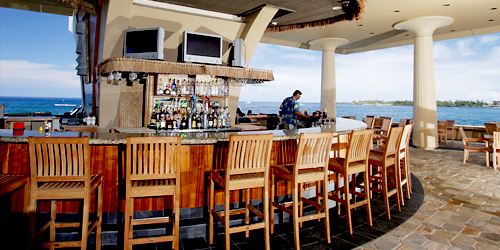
(289, 106)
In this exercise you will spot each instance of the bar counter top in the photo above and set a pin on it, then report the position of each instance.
(194, 138)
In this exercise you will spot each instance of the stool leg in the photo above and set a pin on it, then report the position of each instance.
(99, 217)
(367, 197)
(226, 218)
(347, 198)
(271, 207)
(127, 219)
(325, 208)
(210, 215)
(301, 204)
(176, 219)
(53, 211)
(85, 221)
(247, 211)
(265, 204)
(295, 197)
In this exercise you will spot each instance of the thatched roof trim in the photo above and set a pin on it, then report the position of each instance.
(161, 67)
(353, 12)
(87, 6)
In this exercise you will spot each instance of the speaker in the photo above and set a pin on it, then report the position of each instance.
(239, 52)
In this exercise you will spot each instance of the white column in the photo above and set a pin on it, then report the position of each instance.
(424, 89)
(328, 88)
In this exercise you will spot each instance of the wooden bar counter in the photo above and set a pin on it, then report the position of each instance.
(201, 152)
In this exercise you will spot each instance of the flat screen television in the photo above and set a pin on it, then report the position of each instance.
(201, 48)
(144, 43)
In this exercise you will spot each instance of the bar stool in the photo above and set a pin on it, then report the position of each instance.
(60, 170)
(404, 177)
(383, 158)
(311, 165)
(354, 163)
(247, 166)
(152, 170)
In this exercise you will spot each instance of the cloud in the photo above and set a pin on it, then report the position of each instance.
(24, 78)
(28, 71)
(465, 69)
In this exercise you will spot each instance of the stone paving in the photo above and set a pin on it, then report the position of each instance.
(461, 208)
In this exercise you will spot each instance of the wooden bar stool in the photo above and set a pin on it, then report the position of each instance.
(247, 167)
(383, 176)
(60, 170)
(404, 178)
(311, 166)
(353, 163)
(152, 170)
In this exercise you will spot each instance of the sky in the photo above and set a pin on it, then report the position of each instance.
(38, 59)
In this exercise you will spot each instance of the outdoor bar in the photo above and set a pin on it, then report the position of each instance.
(200, 153)
(175, 70)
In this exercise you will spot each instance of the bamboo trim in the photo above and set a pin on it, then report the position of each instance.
(87, 6)
(348, 16)
(162, 67)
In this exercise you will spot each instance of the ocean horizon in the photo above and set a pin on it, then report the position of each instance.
(462, 115)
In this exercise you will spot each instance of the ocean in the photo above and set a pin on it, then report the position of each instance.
(462, 115)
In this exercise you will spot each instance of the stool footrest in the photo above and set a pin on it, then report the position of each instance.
(147, 221)
(147, 240)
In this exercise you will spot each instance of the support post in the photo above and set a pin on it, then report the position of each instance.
(424, 89)
(328, 85)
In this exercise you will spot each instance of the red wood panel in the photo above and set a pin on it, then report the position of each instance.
(108, 160)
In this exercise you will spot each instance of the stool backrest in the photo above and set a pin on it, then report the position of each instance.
(386, 125)
(313, 151)
(392, 141)
(249, 154)
(370, 121)
(359, 145)
(405, 139)
(150, 158)
(496, 141)
(490, 127)
(58, 159)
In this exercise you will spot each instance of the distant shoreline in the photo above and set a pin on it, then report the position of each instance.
(458, 103)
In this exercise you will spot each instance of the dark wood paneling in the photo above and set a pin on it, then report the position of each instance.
(196, 160)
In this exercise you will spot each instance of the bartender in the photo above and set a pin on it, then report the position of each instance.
(290, 108)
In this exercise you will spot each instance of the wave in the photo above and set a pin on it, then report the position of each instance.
(64, 105)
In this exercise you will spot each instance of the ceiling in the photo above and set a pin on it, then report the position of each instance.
(368, 27)
(373, 30)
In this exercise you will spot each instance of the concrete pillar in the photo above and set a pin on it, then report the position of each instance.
(424, 89)
(328, 87)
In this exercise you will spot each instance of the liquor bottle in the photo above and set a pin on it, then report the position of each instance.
(174, 88)
(210, 121)
(152, 121)
(214, 117)
(193, 121)
(179, 121)
(228, 120)
(170, 123)
(163, 122)
(183, 122)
